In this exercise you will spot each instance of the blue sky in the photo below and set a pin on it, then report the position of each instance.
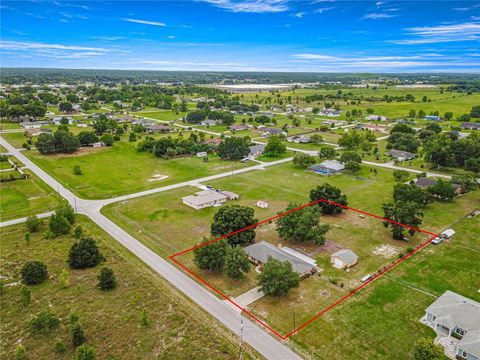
(243, 35)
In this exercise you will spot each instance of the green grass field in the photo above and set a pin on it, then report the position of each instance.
(120, 169)
(167, 226)
(111, 320)
(25, 197)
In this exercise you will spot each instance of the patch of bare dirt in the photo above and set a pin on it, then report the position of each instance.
(386, 251)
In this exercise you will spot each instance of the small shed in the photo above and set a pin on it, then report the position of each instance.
(344, 259)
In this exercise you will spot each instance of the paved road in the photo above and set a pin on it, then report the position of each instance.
(391, 165)
(256, 337)
(22, 220)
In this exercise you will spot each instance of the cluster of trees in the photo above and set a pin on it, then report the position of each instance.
(275, 146)
(234, 148)
(228, 254)
(302, 225)
(168, 147)
(357, 140)
(450, 151)
(19, 107)
(403, 137)
(60, 141)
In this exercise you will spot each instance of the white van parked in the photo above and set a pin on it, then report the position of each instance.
(447, 234)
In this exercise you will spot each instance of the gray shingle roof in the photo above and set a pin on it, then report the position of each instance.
(464, 312)
(262, 250)
(347, 255)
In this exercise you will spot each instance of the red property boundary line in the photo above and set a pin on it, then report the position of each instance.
(354, 291)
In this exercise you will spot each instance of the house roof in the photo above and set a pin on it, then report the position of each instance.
(468, 125)
(347, 256)
(471, 343)
(400, 153)
(457, 310)
(262, 250)
(256, 148)
(204, 197)
(424, 182)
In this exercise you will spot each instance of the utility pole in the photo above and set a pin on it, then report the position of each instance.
(294, 323)
(241, 340)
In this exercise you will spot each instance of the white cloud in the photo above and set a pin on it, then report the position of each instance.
(375, 16)
(325, 9)
(442, 33)
(251, 6)
(145, 22)
(171, 37)
(299, 14)
(56, 51)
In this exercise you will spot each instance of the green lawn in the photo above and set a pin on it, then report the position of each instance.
(120, 169)
(382, 320)
(166, 115)
(110, 320)
(25, 197)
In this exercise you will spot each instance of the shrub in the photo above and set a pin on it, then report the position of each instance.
(84, 254)
(78, 336)
(20, 352)
(26, 295)
(85, 352)
(77, 170)
(106, 279)
(60, 347)
(44, 322)
(34, 272)
(59, 225)
(33, 224)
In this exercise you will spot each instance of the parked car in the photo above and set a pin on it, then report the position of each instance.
(366, 278)
(437, 240)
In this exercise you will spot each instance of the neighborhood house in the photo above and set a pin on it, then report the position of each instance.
(328, 167)
(256, 150)
(299, 139)
(456, 318)
(401, 155)
(344, 259)
(259, 253)
(205, 198)
(376, 118)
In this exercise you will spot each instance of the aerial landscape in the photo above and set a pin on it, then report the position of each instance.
(240, 179)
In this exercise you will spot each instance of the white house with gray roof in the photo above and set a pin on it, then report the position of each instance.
(260, 252)
(343, 259)
(455, 316)
(205, 198)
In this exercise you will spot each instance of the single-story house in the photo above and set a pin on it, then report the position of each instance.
(260, 252)
(425, 183)
(57, 120)
(213, 142)
(126, 119)
(375, 127)
(81, 124)
(33, 124)
(231, 195)
(209, 122)
(205, 198)
(432, 118)
(327, 167)
(329, 112)
(470, 126)
(271, 131)
(376, 118)
(76, 107)
(344, 259)
(238, 127)
(401, 155)
(157, 128)
(98, 144)
(334, 122)
(299, 139)
(256, 150)
(143, 122)
(455, 315)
